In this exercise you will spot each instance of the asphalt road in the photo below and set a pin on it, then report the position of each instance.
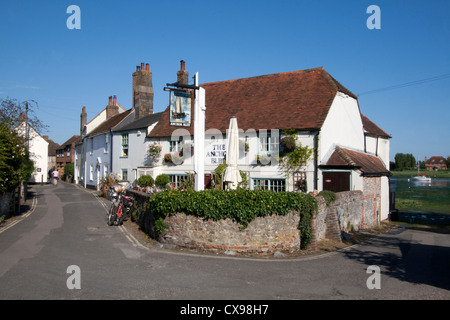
(66, 226)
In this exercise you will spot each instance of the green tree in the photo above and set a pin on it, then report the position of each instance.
(404, 161)
(15, 163)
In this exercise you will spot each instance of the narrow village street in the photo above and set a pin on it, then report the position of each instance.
(66, 226)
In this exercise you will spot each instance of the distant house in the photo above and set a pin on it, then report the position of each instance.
(38, 150)
(435, 163)
(65, 153)
(52, 146)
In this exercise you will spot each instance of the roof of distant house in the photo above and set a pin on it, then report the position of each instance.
(435, 160)
(74, 139)
(290, 100)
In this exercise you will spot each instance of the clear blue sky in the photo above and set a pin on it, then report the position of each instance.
(62, 69)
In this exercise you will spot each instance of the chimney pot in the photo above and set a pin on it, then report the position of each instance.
(142, 66)
(183, 65)
(114, 100)
(83, 109)
(147, 67)
(138, 68)
(110, 100)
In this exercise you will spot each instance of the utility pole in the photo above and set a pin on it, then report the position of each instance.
(27, 134)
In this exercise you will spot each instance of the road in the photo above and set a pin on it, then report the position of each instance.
(66, 226)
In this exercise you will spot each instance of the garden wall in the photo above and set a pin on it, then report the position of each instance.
(352, 210)
(263, 234)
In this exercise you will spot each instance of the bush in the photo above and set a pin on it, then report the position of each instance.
(242, 206)
(145, 181)
(162, 180)
(329, 196)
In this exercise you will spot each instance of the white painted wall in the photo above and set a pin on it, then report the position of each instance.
(38, 149)
(342, 126)
(137, 150)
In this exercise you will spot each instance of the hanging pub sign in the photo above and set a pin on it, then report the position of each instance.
(180, 108)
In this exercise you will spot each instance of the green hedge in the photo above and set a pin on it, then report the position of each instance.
(242, 206)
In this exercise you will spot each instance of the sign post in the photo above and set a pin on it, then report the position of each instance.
(180, 115)
(199, 136)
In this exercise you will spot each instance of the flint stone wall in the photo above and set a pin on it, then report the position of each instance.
(263, 234)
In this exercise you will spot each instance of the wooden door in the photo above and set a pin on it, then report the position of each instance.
(336, 181)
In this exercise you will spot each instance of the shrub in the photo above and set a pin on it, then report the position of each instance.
(329, 196)
(162, 180)
(241, 205)
(145, 181)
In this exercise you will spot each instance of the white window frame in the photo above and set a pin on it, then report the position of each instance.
(274, 184)
(125, 145)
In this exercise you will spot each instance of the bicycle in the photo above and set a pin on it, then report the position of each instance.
(120, 206)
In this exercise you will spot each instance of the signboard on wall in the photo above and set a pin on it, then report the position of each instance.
(180, 109)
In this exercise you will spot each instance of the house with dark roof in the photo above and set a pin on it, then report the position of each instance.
(435, 163)
(350, 151)
(65, 153)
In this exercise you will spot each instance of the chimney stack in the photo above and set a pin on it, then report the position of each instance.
(142, 91)
(112, 109)
(182, 74)
(83, 120)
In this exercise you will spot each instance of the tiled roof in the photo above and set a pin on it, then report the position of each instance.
(372, 128)
(108, 124)
(368, 164)
(140, 123)
(435, 160)
(74, 139)
(290, 100)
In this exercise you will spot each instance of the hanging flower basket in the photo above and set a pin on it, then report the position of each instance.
(154, 151)
(287, 144)
(174, 158)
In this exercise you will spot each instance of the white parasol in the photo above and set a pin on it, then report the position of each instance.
(232, 176)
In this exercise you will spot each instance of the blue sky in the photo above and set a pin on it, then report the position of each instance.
(63, 70)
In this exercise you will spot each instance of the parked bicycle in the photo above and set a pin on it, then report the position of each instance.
(120, 206)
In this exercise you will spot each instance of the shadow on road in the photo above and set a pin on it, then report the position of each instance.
(417, 263)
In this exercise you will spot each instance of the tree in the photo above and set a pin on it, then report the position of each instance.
(11, 111)
(404, 161)
(15, 163)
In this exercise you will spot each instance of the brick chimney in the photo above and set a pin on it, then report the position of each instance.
(142, 91)
(83, 120)
(182, 74)
(112, 108)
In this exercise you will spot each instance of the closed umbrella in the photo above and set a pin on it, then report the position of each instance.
(232, 176)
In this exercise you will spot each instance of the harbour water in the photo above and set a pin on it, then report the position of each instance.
(422, 202)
